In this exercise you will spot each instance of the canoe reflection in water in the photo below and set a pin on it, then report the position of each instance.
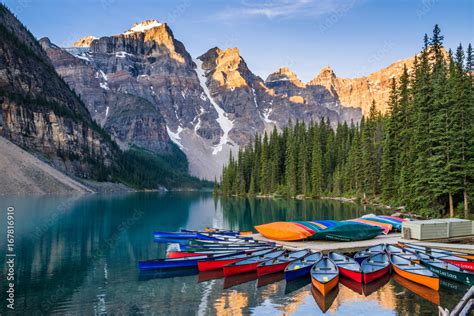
(365, 289)
(420, 290)
(372, 287)
(230, 281)
(297, 284)
(324, 301)
(270, 278)
(210, 275)
(146, 275)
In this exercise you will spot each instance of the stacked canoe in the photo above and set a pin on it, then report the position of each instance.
(366, 227)
(241, 259)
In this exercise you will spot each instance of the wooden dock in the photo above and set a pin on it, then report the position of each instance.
(354, 246)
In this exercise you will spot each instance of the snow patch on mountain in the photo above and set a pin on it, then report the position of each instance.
(266, 114)
(224, 122)
(254, 98)
(122, 54)
(175, 138)
(103, 75)
(104, 85)
(143, 26)
(198, 117)
(78, 52)
(83, 57)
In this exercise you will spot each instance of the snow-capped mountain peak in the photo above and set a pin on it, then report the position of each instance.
(84, 41)
(143, 26)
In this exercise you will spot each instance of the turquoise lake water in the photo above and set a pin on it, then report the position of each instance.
(79, 255)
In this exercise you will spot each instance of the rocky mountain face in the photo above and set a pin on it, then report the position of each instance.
(39, 112)
(303, 98)
(130, 119)
(84, 41)
(359, 92)
(144, 88)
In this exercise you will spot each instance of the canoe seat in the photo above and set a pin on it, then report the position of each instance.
(416, 269)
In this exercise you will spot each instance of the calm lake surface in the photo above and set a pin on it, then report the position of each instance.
(79, 255)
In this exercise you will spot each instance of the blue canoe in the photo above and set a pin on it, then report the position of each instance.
(172, 241)
(173, 263)
(301, 267)
(366, 253)
(216, 232)
(183, 235)
(226, 245)
(395, 224)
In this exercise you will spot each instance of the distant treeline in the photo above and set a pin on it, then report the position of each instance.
(421, 154)
(142, 169)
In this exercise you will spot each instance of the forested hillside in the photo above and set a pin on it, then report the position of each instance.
(420, 154)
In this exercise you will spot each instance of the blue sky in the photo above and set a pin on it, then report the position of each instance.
(354, 37)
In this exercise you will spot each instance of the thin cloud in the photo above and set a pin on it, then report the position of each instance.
(282, 8)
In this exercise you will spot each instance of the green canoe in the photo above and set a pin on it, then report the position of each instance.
(347, 231)
(447, 270)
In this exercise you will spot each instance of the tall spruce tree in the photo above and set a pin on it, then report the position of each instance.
(316, 165)
(468, 177)
(405, 129)
(290, 166)
(265, 166)
(422, 198)
(438, 132)
(390, 145)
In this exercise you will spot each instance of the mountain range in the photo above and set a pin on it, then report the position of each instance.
(142, 89)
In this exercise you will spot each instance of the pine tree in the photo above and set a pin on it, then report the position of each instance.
(422, 197)
(390, 145)
(252, 185)
(265, 171)
(303, 166)
(256, 162)
(405, 129)
(369, 152)
(438, 131)
(354, 163)
(328, 158)
(456, 137)
(275, 159)
(468, 176)
(290, 167)
(316, 166)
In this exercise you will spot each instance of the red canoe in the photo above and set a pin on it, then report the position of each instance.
(219, 264)
(348, 267)
(279, 264)
(250, 263)
(181, 254)
(185, 254)
(466, 265)
(375, 267)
